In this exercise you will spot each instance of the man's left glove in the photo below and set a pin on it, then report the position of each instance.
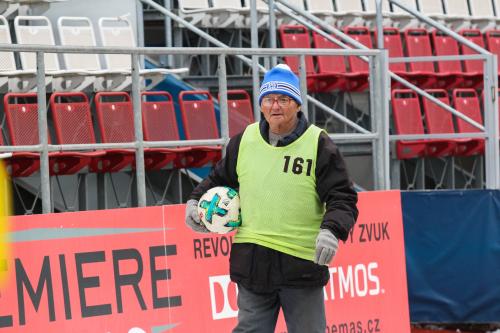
(326, 247)
(192, 217)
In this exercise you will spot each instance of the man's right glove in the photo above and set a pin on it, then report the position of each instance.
(326, 247)
(192, 217)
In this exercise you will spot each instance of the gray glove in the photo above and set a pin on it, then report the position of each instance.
(192, 217)
(326, 247)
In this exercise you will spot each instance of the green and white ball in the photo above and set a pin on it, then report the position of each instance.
(219, 209)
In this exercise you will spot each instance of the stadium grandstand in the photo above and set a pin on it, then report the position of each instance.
(129, 103)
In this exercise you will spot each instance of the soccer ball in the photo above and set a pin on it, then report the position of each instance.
(219, 209)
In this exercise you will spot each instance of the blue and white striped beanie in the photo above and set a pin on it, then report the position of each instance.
(281, 80)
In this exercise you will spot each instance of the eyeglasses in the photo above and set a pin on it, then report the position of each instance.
(283, 101)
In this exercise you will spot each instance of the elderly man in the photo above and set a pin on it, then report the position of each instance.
(297, 201)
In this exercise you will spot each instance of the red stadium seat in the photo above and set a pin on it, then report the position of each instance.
(473, 69)
(240, 111)
(408, 120)
(358, 66)
(73, 125)
(21, 111)
(450, 74)
(394, 45)
(110, 118)
(116, 123)
(466, 101)
(334, 67)
(439, 121)
(297, 36)
(418, 44)
(21, 164)
(361, 35)
(159, 124)
(198, 117)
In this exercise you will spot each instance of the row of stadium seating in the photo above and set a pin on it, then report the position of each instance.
(72, 123)
(80, 71)
(327, 75)
(408, 111)
(461, 13)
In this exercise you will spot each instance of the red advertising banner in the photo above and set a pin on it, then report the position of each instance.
(141, 270)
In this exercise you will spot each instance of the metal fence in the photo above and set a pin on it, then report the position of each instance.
(378, 135)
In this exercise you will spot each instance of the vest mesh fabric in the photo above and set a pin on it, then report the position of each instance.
(279, 203)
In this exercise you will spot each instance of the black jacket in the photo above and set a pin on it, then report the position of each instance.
(261, 269)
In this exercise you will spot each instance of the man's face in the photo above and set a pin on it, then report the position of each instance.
(280, 111)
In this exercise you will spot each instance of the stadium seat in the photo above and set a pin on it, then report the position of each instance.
(160, 124)
(240, 111)
(408, 120)
(418, 44)
(394, 45)
(473, 69)
(466, 101)
(79, 31)
(21, 114)
(73, 125)
(199, 123)
(332, 70)
(361, 35)
(21, 164)
(38, 30)
(357, 65)
(117, 31)
(12, 79)
(116, 124)
(449, 73)
(297, 36)
(439, 121)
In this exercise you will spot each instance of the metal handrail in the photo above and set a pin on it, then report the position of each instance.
(139, 144)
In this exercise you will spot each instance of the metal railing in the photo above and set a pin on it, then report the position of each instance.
(376, 135)
(490, 131)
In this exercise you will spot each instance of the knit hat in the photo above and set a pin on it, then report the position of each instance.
(281, 80)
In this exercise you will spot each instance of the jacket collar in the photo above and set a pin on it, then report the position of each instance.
(302, 126)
